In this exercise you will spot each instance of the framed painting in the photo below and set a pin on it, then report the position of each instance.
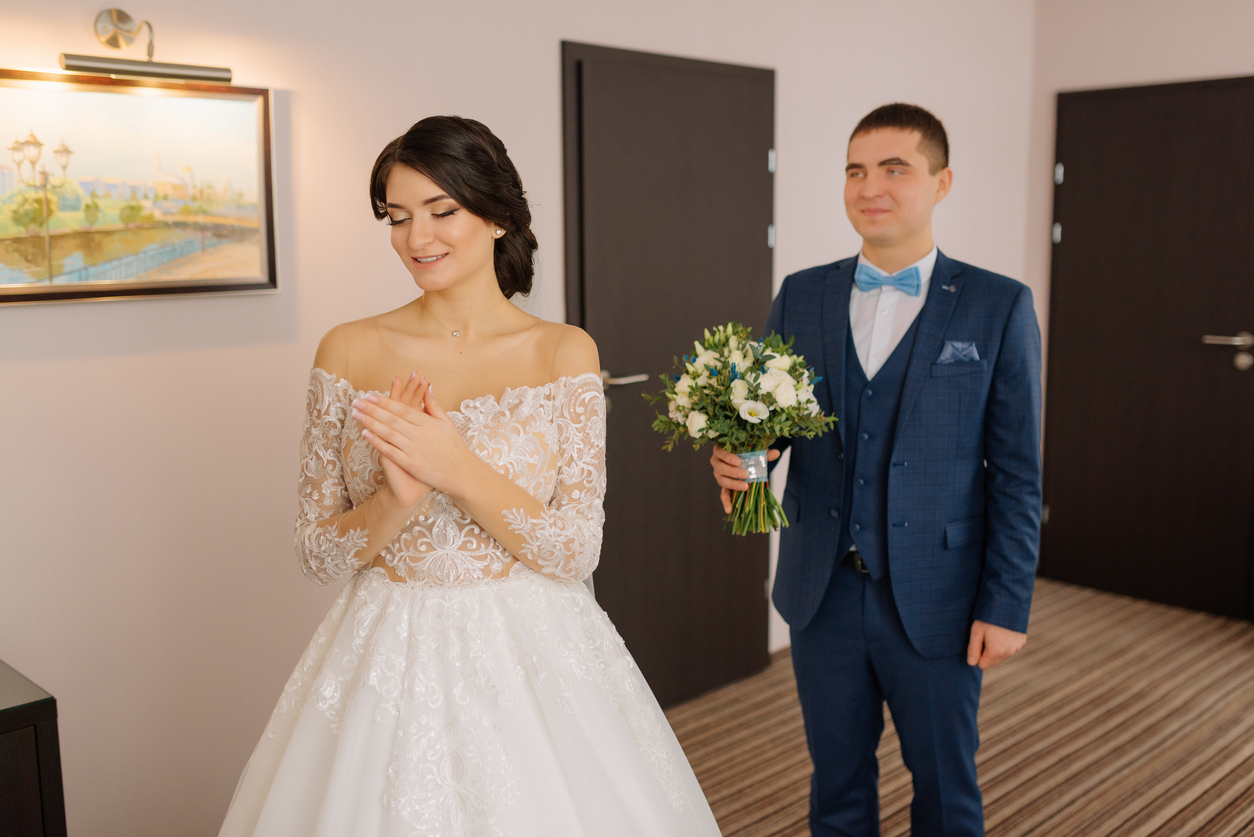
(117, 187)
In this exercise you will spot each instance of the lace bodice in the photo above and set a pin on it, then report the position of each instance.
(549, 439)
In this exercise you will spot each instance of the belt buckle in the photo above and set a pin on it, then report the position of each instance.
(858, 564)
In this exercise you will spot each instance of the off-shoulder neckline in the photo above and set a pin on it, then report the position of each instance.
(483, 400)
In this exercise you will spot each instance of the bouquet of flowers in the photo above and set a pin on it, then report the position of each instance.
(744, 394)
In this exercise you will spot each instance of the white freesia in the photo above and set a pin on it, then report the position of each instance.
(739, 392)
(806, 395)
(674, 412)
(752, 412)
(781, 362)
(706, 358)
(696, 423)
(785, 394)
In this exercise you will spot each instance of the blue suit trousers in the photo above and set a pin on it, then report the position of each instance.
(851, 658)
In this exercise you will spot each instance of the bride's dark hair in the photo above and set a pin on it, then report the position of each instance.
(470, 164)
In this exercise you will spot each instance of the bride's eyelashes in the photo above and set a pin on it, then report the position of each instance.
(392, 222)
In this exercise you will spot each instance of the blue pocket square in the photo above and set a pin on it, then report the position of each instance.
(956, 351)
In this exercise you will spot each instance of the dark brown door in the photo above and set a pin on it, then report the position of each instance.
(668, 205)
(1149, 454)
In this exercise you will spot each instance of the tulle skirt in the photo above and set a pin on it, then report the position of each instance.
(505, 707)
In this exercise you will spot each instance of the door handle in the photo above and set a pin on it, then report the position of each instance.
(607, 380)
(1242, 340)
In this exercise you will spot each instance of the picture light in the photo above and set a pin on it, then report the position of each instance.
(116, 29)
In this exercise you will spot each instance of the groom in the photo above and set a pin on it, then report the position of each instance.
(908, 568)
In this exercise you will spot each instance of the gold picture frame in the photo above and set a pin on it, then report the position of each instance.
(167, 188)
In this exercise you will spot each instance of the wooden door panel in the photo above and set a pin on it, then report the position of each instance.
(668, 217)
(1149, 459)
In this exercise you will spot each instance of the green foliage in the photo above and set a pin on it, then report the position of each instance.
(130, 212)
(91, 211)
(27, 212)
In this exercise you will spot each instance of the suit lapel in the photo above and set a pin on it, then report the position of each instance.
(933, 320)
(837, 286)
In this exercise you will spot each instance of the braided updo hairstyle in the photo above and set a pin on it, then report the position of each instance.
(470, 164)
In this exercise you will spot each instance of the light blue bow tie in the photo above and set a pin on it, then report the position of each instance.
(907, 281)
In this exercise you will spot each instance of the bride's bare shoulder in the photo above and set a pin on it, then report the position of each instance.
(571, 350)
(341, 344)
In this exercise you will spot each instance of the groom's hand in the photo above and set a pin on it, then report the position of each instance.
(991, 645)
(729, 475)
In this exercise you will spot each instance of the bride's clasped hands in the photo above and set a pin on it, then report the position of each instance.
(419, 446)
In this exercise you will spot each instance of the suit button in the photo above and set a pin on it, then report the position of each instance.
(855, 527)
(861, 481)
(864, 436)
(841, 457)
(835, 513)
(869, 393)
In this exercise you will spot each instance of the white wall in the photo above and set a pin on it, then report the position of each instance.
(1081, 44)
(149, 447)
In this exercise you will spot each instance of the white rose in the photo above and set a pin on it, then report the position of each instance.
(739, 358)
(772, 378)
(682, 401)
(785, 395)
(674, 412)
(779, 362)
(696, 423)
(703, 379)
(683, 384)
(754, 411)
(739, 392)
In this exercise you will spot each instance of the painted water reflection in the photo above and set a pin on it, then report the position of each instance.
(124, 254)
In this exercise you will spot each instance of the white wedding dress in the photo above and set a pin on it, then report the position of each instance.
(479, 697)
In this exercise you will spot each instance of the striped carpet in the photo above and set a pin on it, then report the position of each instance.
(1119, 717)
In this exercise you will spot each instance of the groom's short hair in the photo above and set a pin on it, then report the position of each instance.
(933, 142)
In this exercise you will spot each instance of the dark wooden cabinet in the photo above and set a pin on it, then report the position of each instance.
(31, 800)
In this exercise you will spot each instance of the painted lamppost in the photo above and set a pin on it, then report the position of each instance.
(29, 151)
(63, 153)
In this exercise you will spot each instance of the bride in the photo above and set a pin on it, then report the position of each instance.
(465, 682)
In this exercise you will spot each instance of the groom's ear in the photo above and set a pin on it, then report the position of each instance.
(944, 182)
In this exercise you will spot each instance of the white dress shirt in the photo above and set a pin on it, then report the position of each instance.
(880, 318)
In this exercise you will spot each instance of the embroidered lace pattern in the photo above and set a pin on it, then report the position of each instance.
(548, 439)
(437, 663)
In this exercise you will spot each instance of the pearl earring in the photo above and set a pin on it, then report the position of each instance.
(500, 232)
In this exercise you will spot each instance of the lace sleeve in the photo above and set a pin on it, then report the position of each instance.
(565, 540)
(326, 542)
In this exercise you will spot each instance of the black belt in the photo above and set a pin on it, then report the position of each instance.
(853, 560)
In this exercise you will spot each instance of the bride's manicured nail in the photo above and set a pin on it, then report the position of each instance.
(372, 398)
(358, 415)
(413, 374)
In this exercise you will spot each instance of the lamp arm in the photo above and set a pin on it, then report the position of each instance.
(152, 36)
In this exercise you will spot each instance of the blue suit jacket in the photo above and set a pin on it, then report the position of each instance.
(964, 484)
